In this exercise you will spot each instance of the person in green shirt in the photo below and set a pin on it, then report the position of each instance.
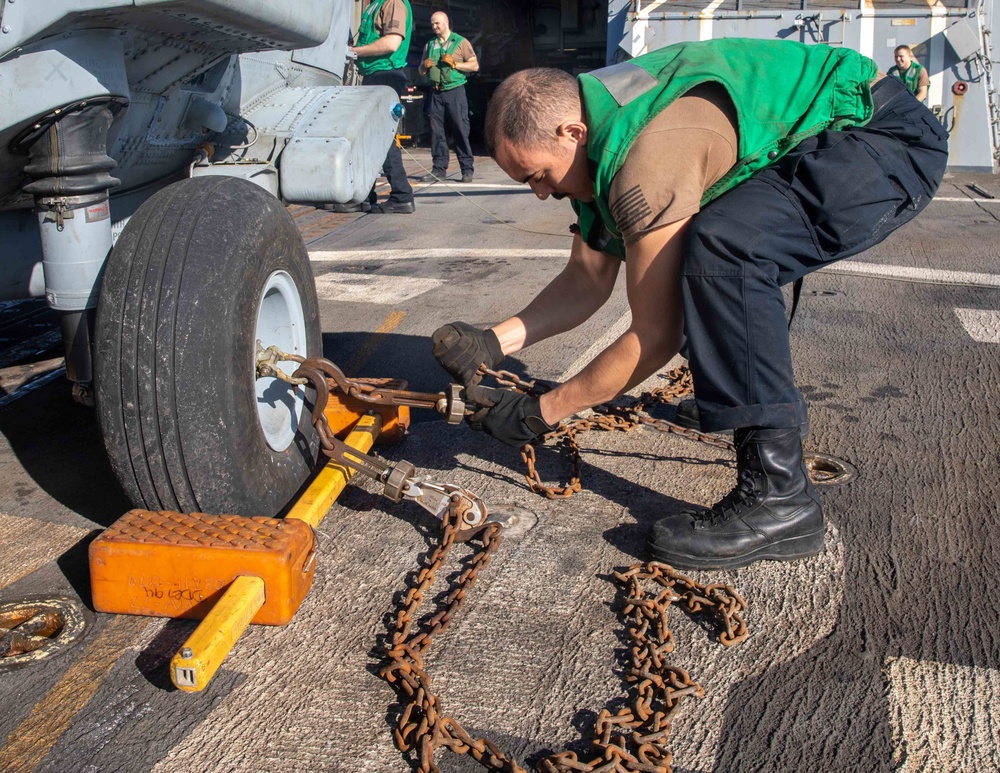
(910, 72)
(447, 59)
(715, 179)
(381, 48)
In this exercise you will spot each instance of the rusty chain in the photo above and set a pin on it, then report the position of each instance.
(368, 390)
(609, 417)
(634, 738)
(617, 417)
(631, 740)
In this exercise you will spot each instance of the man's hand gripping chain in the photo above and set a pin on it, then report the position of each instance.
(399, 480)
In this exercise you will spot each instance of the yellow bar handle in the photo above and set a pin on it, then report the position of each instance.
(319, 497)
(195, 664)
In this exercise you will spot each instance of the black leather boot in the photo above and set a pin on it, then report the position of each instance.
(773, 513)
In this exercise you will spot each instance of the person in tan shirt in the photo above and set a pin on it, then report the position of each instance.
(910, 72)
(702, 269)
(381, 61)
(447, 59)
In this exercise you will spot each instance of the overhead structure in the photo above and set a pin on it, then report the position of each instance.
(951, 38)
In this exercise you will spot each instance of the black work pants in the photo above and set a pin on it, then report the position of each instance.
(835, 195)
(400, 191)
(448, 113)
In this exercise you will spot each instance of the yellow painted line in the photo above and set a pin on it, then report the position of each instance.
(34, 738)
(319, 497)
(353, 368)
(29, 544)
(195, 664)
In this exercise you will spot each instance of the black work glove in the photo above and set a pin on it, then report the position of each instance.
(511, 417)
(462, 348)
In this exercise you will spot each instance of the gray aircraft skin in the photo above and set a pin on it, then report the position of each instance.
(104, 103)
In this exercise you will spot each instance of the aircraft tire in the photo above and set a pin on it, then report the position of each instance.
(202, 270)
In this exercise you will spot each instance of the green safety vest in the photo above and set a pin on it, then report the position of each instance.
(783, 92)
(445, 78)
(911, 77)
(368, 34)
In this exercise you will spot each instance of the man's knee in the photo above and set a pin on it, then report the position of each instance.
(716, 244)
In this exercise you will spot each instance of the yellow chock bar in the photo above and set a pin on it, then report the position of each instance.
(195, 664)
(319, 497)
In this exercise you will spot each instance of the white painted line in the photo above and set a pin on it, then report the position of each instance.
(372, 288)
(848, 267)
(610, 335)
(910, 274)
(965, 198)
(646, 10)
(867, 29)
(455, 253)
(455, 185)
(705, 19)
(939, 20)
(602, 343)
(982, 324)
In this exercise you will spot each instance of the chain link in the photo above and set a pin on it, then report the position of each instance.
(608, 417)
(631, 739)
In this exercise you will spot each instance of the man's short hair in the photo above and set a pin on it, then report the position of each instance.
(528, 106)
(907, 49)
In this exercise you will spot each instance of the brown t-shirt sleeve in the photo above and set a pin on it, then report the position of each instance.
(682, 153)
(464, 52)
(391, 19)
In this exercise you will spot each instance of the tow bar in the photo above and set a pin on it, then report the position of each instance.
(229, 570)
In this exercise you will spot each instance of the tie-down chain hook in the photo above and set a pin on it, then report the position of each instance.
(400, 480)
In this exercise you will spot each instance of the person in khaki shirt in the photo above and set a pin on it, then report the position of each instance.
(447, 59)
(714, 179)
(383, 41)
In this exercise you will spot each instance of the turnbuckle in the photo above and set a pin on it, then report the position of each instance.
(399, 481)
(450, 404)
(436, 498)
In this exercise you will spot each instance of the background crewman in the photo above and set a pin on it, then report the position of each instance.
(382, 43)
(446, 60)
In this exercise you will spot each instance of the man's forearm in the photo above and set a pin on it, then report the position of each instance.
(567, 301)
(386, 44)
(652, 280)
(628, 361)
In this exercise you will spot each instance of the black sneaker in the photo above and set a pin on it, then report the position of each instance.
(467, 177)
(433, 176)
(773, 513)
